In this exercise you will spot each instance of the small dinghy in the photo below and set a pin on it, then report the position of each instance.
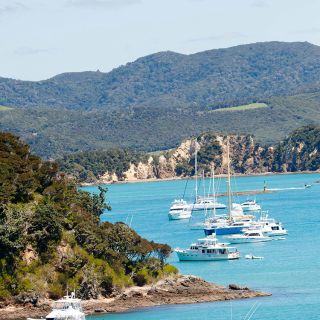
(251, 257)
(280, 238)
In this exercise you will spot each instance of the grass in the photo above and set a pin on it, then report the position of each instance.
(250, 106)
(3, 108)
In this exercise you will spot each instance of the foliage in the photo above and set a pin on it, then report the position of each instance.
(51, 236)
(88, 166)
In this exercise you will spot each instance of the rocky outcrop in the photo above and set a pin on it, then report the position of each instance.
(172, 290)
(246, 157)
(298, 152)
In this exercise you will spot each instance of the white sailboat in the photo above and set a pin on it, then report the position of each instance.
(210, 215)
(181, 209)
(236, 221)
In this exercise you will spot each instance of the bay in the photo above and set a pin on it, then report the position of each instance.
(289, 270)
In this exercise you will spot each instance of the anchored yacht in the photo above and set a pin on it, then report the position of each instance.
(208, 249)
(179, 209)
(248, 236)
(269, 226)
(250, 205)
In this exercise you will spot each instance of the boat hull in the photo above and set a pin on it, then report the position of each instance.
(251, 208)
(185, 256)
(219, 231)
(179, 216)
(247, 240)
(199, 207)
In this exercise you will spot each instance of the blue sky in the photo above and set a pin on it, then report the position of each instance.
(42, 38)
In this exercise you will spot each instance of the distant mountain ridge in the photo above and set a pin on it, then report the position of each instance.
(159, 100)
(211, 78)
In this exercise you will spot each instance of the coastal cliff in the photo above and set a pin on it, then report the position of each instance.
(298, 152)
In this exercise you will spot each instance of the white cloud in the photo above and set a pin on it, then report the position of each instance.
(7, 7)
(27, 51)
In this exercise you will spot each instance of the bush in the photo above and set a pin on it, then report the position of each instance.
(170, 269)
(140, 279)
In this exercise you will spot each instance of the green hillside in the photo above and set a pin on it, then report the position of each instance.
(55, 132)
(51, 236)
(222, 77)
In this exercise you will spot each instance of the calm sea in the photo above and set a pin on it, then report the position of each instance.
(289, 270)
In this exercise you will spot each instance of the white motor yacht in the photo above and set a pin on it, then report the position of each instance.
(270, 226)
(250, 205)
(67, 308)
(179, 209)
(249, 236)
(208, 249)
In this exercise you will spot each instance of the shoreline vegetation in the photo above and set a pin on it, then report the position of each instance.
(176, 289)
(238, 175)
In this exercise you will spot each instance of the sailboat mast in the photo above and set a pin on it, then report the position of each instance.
(229, 178)
(196, 169)
(213, 189)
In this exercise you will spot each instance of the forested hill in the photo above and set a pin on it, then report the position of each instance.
(51, 237)
(211, 78)
(263, 89)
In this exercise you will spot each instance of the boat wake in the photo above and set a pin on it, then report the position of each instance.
(284, 189)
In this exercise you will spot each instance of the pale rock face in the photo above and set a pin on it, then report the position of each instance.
(314, 152)
(183, 151)
(300, 147)
(29, 255)
(108, 178)
(140, 171)
(240, 148)
(64, 250)
(162, 160)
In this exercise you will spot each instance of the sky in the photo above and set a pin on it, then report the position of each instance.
(42, 38)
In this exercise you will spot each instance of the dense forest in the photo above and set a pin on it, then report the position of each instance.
(51, 236)
(157, 101)
(299, 151)
(167, 79)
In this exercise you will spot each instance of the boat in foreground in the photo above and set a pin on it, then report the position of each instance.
(67, 308)
(208, 249)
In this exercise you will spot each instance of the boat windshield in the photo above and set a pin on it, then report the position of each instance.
(252, 234)
(62, 305)
(206, 242)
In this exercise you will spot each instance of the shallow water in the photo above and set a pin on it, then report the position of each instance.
(289, 270)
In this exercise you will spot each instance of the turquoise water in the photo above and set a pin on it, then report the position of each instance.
(290, 269)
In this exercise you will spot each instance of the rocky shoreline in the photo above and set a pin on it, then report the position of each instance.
(172, 290)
